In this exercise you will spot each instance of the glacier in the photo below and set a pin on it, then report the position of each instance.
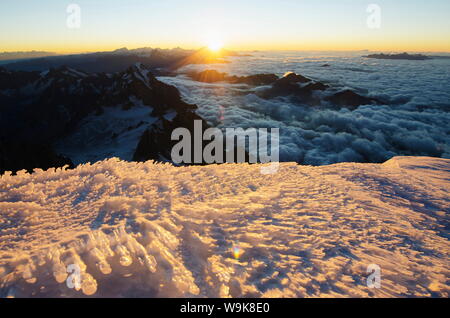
(155, 230)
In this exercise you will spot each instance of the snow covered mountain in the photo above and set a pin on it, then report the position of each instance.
(65, 116)
(155, 230)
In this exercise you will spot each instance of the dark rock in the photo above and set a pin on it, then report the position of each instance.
(351, 99)
(254, 80)
(156, 144)
(317, 86)
(23, 155)
(16, 80)
(401, 56)
(127, 106)
(288, 86)
(161, 96)
(290, 78)
(301, 89)
(63, 97)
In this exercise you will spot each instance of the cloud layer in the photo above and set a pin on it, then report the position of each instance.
(414, 121)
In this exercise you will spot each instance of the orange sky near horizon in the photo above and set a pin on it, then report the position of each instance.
(68, 48)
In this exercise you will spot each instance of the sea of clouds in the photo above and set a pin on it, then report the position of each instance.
(414, 121)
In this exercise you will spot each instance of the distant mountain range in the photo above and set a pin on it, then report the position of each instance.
(5, 56)
(118, 60)
(405, 56)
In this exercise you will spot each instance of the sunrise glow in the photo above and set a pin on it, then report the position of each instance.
(215, 45)
(249, 25)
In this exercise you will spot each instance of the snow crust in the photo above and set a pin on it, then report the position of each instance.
(155, 230)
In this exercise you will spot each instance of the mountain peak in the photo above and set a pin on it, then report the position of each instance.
(65, 71)
(121, 50)
(141, 72)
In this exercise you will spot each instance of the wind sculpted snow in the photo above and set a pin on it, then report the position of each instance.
(155, 230)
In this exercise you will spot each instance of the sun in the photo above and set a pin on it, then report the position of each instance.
(215, 45)
(214, 41)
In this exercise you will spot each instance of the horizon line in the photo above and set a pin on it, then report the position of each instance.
(230, 49)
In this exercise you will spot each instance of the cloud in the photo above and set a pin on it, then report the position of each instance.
(415, 121)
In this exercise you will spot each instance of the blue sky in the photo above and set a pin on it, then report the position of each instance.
(414, 25)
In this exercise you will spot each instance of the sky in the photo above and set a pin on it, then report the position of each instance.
(404, 25)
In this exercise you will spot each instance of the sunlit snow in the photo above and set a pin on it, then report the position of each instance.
(155, 230)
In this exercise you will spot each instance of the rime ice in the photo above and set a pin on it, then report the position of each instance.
(155, 230)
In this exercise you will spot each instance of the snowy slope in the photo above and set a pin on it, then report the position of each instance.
(154, 230)
(114, 133)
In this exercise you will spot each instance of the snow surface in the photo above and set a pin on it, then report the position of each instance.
(155, 230)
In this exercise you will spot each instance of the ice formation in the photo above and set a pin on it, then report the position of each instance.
(155, 230)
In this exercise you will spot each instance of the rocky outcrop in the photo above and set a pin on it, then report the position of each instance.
(16, 80)
(291, 78)
(317, 86)
(293, 85)
(143, 85)
(254, 80)
(156, 143)
(401, 56)
(22, 155)
(350, 99)
(302, 89)
(41, 109)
